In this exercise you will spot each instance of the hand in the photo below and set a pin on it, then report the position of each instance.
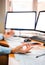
(9, 33)
(19, 49)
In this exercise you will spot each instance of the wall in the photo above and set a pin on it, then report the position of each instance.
(2, 15)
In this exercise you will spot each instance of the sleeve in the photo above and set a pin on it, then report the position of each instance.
(5, 50)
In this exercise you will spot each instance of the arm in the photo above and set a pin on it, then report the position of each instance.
(21, 49)
(18, 49)
(5, 50)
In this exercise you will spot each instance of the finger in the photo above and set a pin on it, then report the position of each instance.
(28, 45)
(21, 50)
(25, 44)
(25, 50)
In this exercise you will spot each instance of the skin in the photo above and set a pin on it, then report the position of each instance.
(18, 49)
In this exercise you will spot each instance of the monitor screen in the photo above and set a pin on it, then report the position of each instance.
(41, 21)
(20, 20)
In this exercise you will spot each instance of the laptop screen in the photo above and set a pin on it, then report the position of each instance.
(21, 20)
(41, 21)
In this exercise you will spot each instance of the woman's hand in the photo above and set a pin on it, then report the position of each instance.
(19, 49)
(9, 33)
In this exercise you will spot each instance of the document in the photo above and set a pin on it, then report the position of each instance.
(14, 41)
(30, 58)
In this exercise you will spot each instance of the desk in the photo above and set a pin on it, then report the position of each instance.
(12, 56)
(14, 62)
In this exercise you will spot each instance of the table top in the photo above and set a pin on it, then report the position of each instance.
(12, 56)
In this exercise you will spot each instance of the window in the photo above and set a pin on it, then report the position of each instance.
(22, 5)
(41, 5)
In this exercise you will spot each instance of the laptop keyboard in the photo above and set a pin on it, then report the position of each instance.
(38, 38)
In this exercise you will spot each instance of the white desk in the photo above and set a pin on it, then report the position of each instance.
(27, 59)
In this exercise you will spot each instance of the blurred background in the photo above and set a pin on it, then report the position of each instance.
(19, 5)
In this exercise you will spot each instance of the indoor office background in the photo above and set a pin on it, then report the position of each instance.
(19, 5)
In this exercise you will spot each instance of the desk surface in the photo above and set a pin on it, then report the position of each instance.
(12, 56)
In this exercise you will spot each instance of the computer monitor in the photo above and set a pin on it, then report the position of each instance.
(41, 22)
(20, 20)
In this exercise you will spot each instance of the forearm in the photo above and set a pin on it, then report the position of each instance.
(5, 50)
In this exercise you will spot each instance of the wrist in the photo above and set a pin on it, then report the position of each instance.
(13, 51)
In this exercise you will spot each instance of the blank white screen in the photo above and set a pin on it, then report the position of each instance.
(21, 20)
(41, 22)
